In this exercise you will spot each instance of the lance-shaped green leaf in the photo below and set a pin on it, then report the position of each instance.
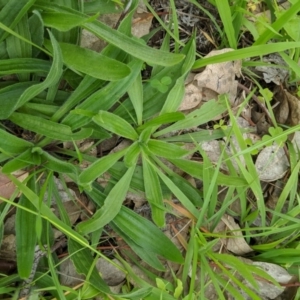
(52, 78)
(135, 93)
(54, 164)
(167, 150)
(145, 135)
(199, 136)
(115, 124)
(111, 206)
(148, 256)
(199, 116)
(36, 27)
(140, 230)
(39, 109)
(132, 154)
(130, 45)
(9, 98)
(190, 50)
(3, 52)
(48, 128)
(90, 62)
(64, 21)
(153, 192)
(100, 166)
(12, 13)
(24, 65)
(175, 96)
(17, 48)
(146, 234)
(22, 161)
(11, 144)
(195, 169)
(26, 236)
(109, 95)
(163, 119)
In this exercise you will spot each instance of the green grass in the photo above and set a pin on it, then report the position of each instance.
(63, 93)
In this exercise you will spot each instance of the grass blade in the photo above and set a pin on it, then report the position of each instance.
(277, 25)
(225, 14)
(248, 52)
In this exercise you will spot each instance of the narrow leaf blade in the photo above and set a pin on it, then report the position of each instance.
(115, 124)
(90, 62)
(153, 192)
(111, 206)
(100, 166)
(48, 128)
(167, 150)
(26, 236)
(130, 45)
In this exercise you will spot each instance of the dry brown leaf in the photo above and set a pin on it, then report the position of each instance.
(262, 126)
(7, 188)
(142, 21)
(282, 110)
(294, 105)
(220, 77)
(237, 243)
(192, 97)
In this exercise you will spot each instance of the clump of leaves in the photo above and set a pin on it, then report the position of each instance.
(61, 92)
(58, 92)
